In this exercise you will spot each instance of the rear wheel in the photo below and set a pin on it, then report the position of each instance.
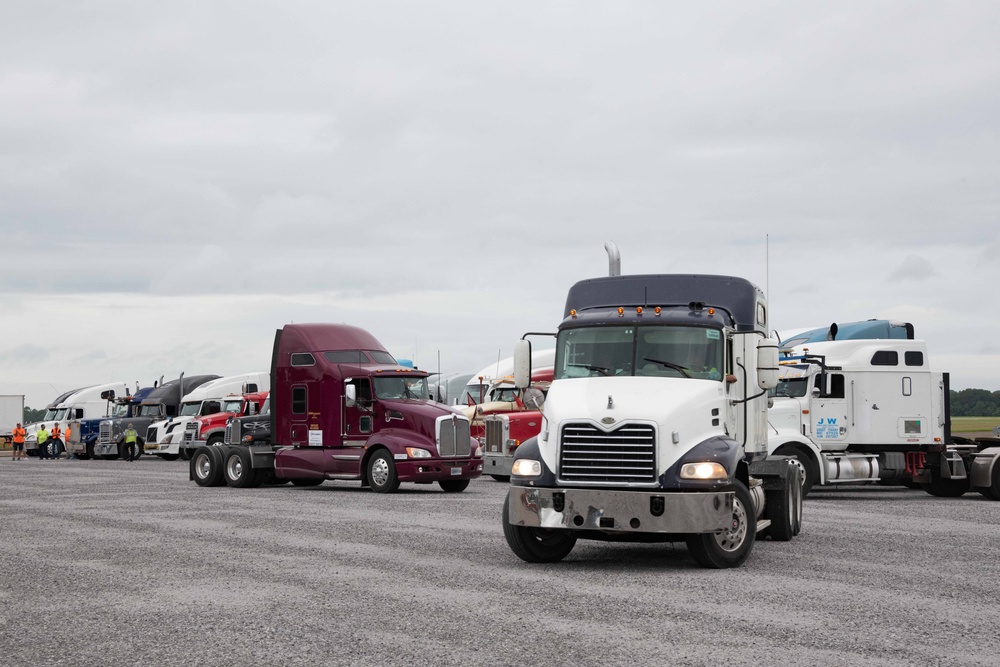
(454, 485)
(382, 473)
(536, 545)
(206, 467)
(810, 467)
(239, 471)
(185, 454)
(945, 488)
(784, 507)
(993, 490)
(732, 546)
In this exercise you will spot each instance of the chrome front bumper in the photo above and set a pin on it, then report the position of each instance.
(621, 511)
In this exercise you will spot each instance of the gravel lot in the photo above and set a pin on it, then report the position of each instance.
(114, 563)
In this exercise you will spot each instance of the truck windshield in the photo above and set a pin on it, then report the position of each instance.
(401, 387)
(60, 414)
(648, 350)
(234, 405)
(120, 410)
(149, 410)
(49, 415)
(190, 409)
(791, 387)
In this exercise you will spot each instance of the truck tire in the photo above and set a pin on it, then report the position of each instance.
(945, 488)
(993, 490)
(536, 545)
(453, 485)
(185, 454)
(239, 471)
(731, 547)
(168, 457)
(784, 507)
(810, 466)
(90, 450)
(501, 478)
(206, 467)
(382, 475)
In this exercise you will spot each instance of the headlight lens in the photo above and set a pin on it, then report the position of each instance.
(704, 470)
(417, 453)
(526, 468)
(479, 452)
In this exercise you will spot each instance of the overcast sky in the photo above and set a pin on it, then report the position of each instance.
(178, 180)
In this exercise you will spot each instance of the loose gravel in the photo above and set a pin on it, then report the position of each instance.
(115, 563)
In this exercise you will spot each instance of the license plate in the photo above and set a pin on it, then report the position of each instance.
(456, 471)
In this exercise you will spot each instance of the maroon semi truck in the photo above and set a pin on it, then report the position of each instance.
(343, 409)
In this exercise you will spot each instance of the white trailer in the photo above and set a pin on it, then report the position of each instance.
(166, 438)
(870, 411)
(11, 414)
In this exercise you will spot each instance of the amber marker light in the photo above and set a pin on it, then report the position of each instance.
(572, 313)
(638, 310)
(711, 311)
(621, 311)
(657, 310)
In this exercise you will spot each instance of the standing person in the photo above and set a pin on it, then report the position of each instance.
(66, 434)
(42, 438)
(19, 434)
(131, 444)
(55, 441)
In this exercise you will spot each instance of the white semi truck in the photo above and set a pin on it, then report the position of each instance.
(74, 406)
(868, 411)
(165, 438)
(655, 424)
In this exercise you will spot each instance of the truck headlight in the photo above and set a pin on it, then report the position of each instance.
(479, 452)
(703, 470)
(526, 468)
(417, 453)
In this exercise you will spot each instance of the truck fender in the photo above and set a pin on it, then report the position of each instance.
(808, 453)
(718, 449)
(983, 464)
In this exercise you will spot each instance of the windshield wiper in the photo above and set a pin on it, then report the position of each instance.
(597, 369)
(668, 364)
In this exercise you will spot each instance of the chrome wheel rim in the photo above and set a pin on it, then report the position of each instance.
(733, 538)
(235, 468)
(380, 472)
(202, 466)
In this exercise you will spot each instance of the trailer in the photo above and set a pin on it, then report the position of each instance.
(342, 408)
(11, 414)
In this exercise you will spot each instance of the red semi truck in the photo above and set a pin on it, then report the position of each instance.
(210, 429)
(343, 409)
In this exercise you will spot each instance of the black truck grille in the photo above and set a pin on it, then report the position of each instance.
(626, 455)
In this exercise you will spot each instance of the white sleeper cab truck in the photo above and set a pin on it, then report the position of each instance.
(867, 411)
(655, 425)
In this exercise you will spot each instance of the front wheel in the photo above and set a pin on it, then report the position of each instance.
(454, 485)
(732, 546)
(185, 454)
(382, 473)
(501, 478)
(168, 457)
(536, 545)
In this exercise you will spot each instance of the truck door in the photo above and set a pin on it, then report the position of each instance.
(830, 421)
(358, 424)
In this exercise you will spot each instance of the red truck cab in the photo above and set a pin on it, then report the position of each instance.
(211, 428)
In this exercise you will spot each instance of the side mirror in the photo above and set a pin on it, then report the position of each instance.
(767, 363)
(522, 364)
(534, 398)
(351, 394)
